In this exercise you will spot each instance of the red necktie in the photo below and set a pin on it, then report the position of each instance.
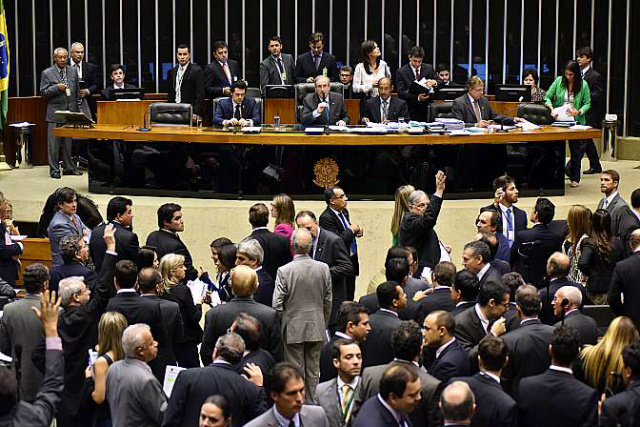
(418, 74)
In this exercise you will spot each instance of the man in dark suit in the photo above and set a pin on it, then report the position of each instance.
(489, 221)
(558, 267)
(186, 82)
(346, 358)
(247, 399)
(88, 76)
(378, 348)
(385, 108)
(407, 344)
(440, 296)
(491, 240)
(444, 75)
(447, 358)
(624, 281)
(346, 78)
(9, 250)
(166, 240)
(511, 217)
(473, 108)
(567, 300)
(60, 87)
(595, 115)
(316, 62)
(221, 73)
(416, 71)
(277, 250)
(401, 391)
(494, 407)
(75, 254)
(529, 344)
(630, 223)
(330, 249)
(141, 310)
(277, 68)
(237, 110)
(251, 254)
(337, 220)
(458, 404)
(556, 398)
(616, 409)
(149, 281)
(533, 247)
(250, 330)
(221, 317)
(117, 76)
(417, 226)
(613, 202)
(353, 325)
(120, 216)
(476, 258)
(324, 107)
(464, 291)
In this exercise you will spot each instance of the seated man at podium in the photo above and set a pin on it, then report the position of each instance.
(237, 110)
(324, 107)
(385, 108)
(473, 108)
(117, 78)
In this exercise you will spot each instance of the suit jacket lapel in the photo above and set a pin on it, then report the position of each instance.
(377, 115)
(467, 102)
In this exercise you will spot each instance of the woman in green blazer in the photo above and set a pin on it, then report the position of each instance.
(572, 89)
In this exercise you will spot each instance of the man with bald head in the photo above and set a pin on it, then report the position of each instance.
(558, 267)
(244, 281)
(324, 107)
(624, 281)
(303, 298)
(385, 108)
(571, 298)
(458, 404)
(59, 86)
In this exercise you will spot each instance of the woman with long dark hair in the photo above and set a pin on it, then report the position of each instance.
(370, 70)
(579, 225)
(571, 90)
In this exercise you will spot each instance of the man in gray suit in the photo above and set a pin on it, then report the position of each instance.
(303, 298)
(286, 388)
(324, 107)
(347, 359)
(59, 86)
(65, 222)
(614, 203)
(21, 332)
(135, 396)
(277, 68)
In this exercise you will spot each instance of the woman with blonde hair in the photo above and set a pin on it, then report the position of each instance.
(173, 271)
(110, 328)
(401, 207)
(579, 224)
(597, 362)
(283, 210)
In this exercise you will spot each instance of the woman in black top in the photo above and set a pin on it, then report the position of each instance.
(173, 289)
(599, 256)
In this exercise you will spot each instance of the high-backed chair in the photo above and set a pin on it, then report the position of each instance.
(166, 113)
(304, 89)
(535, 113)
(439, 110)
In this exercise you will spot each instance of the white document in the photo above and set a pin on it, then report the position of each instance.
(562, 113)
(17, 238)
(22, 125)
(338, 128)
(251, 129)
(314, 130)
(170, 377)
(197, 288)
(580, 127)
(527, 126)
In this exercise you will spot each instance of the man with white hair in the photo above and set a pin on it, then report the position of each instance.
(570, 298)
(417, 226)
(324, 107)
(134, 394)
(251, 254)
(303, 298)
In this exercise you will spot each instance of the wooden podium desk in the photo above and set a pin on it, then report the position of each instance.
(35, 250)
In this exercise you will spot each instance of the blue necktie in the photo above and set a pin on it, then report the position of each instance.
(345, 224)
(327, 111)
(509, 227)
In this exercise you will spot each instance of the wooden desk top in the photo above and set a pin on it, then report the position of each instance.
(208, 136)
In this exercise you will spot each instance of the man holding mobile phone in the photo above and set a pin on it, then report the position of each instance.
(510, 217)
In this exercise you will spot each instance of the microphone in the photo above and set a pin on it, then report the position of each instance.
(504, 116)
(145, 127)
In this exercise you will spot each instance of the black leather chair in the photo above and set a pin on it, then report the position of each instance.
(439, 110)
(166, 113)
(602, 314)
(304, 89)
(257, 99)
(535, 113)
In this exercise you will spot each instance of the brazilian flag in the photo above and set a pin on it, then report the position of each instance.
(4, 67)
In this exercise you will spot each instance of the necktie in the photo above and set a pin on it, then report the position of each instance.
(345, 224)
(327, 110)
(75, 224)
(237, 114)
(489, 327)
(509, 227)
(78, 70)
(605, 203)
(385, 111)
(179, 76)
(63, 76)
(316, 60)
(418, 74)
(476, 109)
(281, 68)
(292, 424)
(227, 72)
(346, 395)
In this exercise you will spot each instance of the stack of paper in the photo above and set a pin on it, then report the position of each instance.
(527, 126)
(451, 124)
